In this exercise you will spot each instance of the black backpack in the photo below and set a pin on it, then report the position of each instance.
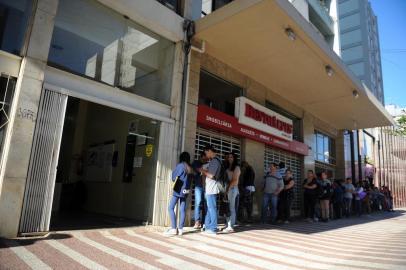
(222, 180)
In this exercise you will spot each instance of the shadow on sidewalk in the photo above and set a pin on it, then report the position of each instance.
(304, 227)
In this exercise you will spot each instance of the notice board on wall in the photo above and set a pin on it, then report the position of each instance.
(99, 162)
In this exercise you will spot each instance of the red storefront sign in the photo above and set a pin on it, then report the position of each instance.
(210, 118)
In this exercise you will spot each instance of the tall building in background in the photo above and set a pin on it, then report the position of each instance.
(374, 154)
(360, 48)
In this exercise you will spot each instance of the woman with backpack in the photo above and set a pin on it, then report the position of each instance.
(181, 188)
(233, 174)
(326, 193)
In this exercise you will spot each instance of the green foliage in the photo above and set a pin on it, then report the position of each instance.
(401, 125)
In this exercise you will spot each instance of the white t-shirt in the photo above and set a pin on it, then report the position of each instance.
(236, 173)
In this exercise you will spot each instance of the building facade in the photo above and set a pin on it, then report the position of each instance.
(360, 48)
(100, 97)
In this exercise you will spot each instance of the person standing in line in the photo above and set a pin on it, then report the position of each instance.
(233, 173)
(325, 197)
(338, 198)
(310, 195)
(357, 198)
(349, 190)
(287, 196)
(282, 169)
(180, 177)
(199, 212)
(247, 190)
(212, 174)
(273, 185)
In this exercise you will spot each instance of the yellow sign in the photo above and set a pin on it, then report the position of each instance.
(148, 150)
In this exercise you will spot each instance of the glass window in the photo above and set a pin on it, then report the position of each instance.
(324, 148)
(92, 40)
(172, 4)
(218, 93)
(14, 16)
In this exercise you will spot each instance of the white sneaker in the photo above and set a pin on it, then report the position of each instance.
(180, 232)
(171, 232)
(228, 230)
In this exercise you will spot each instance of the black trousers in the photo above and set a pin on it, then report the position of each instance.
(338, 209)
(309, 205)
(285, 205)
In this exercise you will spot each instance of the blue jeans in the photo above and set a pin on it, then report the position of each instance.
(182, 210)
(232, 198)
(199, 193)
(211, 215)
(273, 199)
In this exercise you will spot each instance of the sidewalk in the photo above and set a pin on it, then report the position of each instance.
(375, 242)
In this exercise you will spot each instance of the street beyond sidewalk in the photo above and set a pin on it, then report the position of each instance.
(369, 242)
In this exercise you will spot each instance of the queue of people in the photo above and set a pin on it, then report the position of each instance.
(226, 188)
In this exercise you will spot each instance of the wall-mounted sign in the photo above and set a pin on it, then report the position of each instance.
(149, 150)
(207, 117)
(254, 115)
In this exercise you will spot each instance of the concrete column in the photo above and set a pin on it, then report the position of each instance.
(192, 9)
(27, 95)
(308, 138)
(340, 156)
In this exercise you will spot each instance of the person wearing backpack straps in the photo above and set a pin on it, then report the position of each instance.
(233, 173)
(181, 179)
(212, 174)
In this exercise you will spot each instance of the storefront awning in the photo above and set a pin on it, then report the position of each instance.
(251, 37)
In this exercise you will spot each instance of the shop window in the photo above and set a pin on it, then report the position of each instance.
(324, 147)
(297, 122)
(94, 41)
(218, 93)
(14, 16)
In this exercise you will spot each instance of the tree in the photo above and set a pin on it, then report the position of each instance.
(400, 128)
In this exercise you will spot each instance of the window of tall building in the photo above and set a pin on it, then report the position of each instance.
(171, 4)
(93, 41)
(218, 93)
(14, 17)
(324, 148)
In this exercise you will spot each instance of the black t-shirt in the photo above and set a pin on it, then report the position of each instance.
(310, 191)
(288, 193)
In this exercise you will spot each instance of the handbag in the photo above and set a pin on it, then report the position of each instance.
(177, 185)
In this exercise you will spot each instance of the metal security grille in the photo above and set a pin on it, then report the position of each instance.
(224, 143)
(292, 161)
(7, 87)
(43, 160)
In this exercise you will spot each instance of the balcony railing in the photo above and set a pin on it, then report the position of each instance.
(320, 17)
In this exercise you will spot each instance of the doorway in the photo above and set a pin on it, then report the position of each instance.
(106, 168)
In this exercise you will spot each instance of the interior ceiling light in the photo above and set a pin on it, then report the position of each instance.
(329, 70)
(289, 32)
(355, 94)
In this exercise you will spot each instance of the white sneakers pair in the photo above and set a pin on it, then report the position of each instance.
(173, 232)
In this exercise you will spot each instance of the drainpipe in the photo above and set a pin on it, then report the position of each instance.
(189, 31)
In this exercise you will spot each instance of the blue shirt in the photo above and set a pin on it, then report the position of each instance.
(181, 172)
(197, 177)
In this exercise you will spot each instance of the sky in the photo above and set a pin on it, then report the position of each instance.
(392, 34)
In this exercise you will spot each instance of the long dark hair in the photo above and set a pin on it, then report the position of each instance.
(184, 157)
(235, 161)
